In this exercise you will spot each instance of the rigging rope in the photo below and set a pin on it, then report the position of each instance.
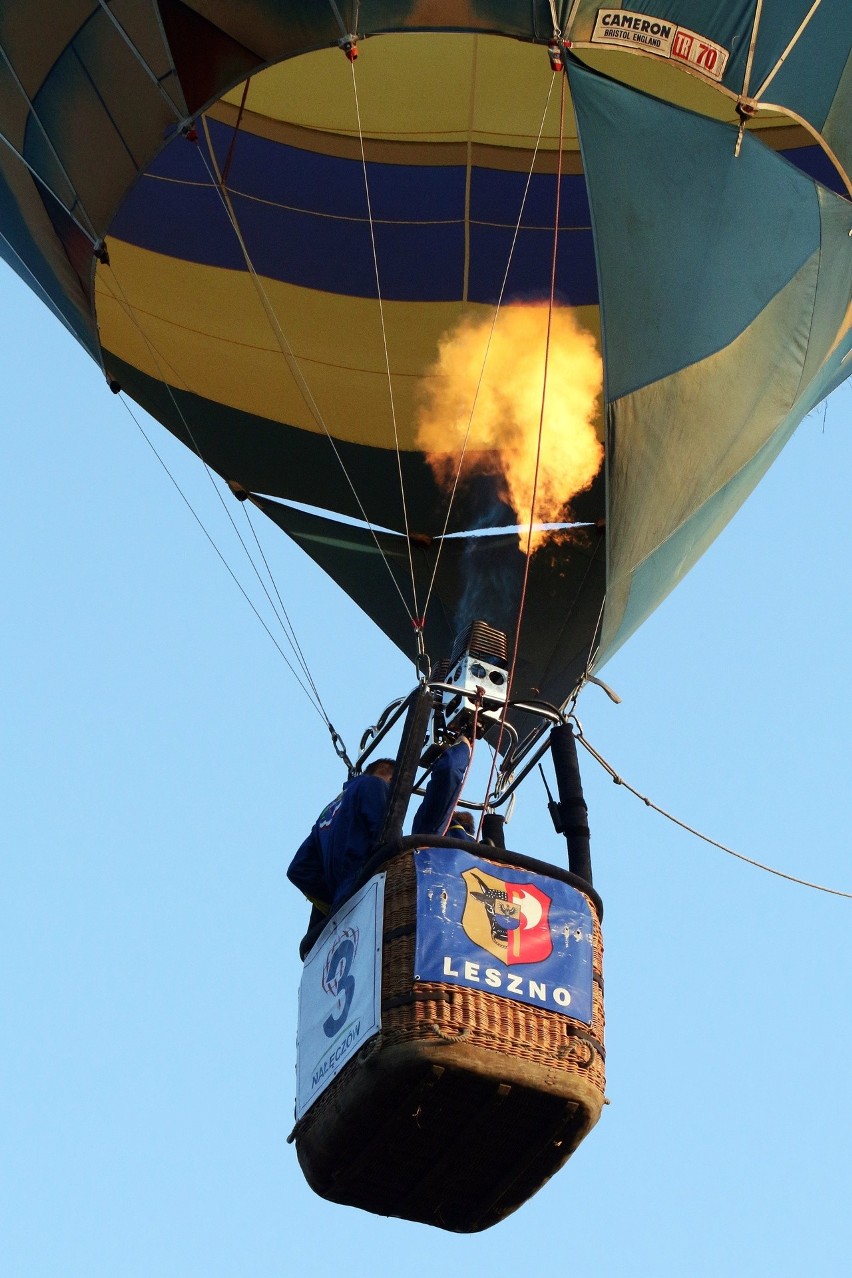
(91, 234)
(649, 803)
(596, 633)
(415, 613)
(528, 553)
(155, 79)
(753, 41)
(512, 246)
(285, 616)
(318, 707)
(290, 635)
(155, 355)
(339, 17)
(226, 167)
(37, 287)
(284, 345)
(794, 40)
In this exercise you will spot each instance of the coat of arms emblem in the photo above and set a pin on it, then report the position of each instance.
(509, 920)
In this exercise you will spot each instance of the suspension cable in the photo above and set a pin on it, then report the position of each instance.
(226, 167)
(512, 246)
(533, 498)
(285, 617)
(596, 634)
(184, 422)
(416, 613)
(156, 80)
(91, 234)
(36, 285)
(129, 310)
(751, 47)
(705, 838)
(338, 17)
(228, 568)
(761, 91)
(285, 347)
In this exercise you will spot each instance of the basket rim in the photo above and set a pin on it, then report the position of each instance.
(487, 851)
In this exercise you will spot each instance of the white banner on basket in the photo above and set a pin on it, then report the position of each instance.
(340, 993)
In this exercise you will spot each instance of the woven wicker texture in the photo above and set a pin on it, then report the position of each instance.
(542, 1038)
(464, 1104)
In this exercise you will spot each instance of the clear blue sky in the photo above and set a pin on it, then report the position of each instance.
(160, 765)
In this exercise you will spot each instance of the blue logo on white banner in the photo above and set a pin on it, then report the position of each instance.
(340, 993)
(504, 931)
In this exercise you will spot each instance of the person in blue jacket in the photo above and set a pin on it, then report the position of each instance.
(461, 825)
(445, 785)
(346, 832)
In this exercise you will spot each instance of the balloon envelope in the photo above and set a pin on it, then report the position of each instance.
(311, 260)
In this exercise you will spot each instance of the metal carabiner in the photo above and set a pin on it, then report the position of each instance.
(340, 748)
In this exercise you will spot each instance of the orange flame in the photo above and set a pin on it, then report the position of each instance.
(504, 428)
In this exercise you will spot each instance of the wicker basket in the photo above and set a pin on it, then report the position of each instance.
(466, 1102)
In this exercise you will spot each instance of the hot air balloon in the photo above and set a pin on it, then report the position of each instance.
(499, 311)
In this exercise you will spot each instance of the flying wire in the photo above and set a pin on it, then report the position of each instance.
(33, 115)
(533, 497)
(705, 838)
(37, 286)
(596, 633)
(291, 632)
(156, 357)
(790, 46)
(416, 612)
(123, 301)
(285, 347)
(466, 439)
(155, 79)
(317, 707)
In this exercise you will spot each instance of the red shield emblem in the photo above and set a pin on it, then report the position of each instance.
(509, 920)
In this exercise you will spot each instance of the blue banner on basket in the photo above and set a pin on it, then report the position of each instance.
(504, 931)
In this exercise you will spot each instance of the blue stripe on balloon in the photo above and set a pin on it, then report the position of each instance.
(303, 219)
(529, 276)
(813, 161)
(497, 196)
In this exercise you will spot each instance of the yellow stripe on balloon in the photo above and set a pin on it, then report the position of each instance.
(204, 329)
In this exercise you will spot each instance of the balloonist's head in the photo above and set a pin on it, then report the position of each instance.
(382, 768)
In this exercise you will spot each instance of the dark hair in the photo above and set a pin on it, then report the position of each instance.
(463, 818)
(379, 765)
